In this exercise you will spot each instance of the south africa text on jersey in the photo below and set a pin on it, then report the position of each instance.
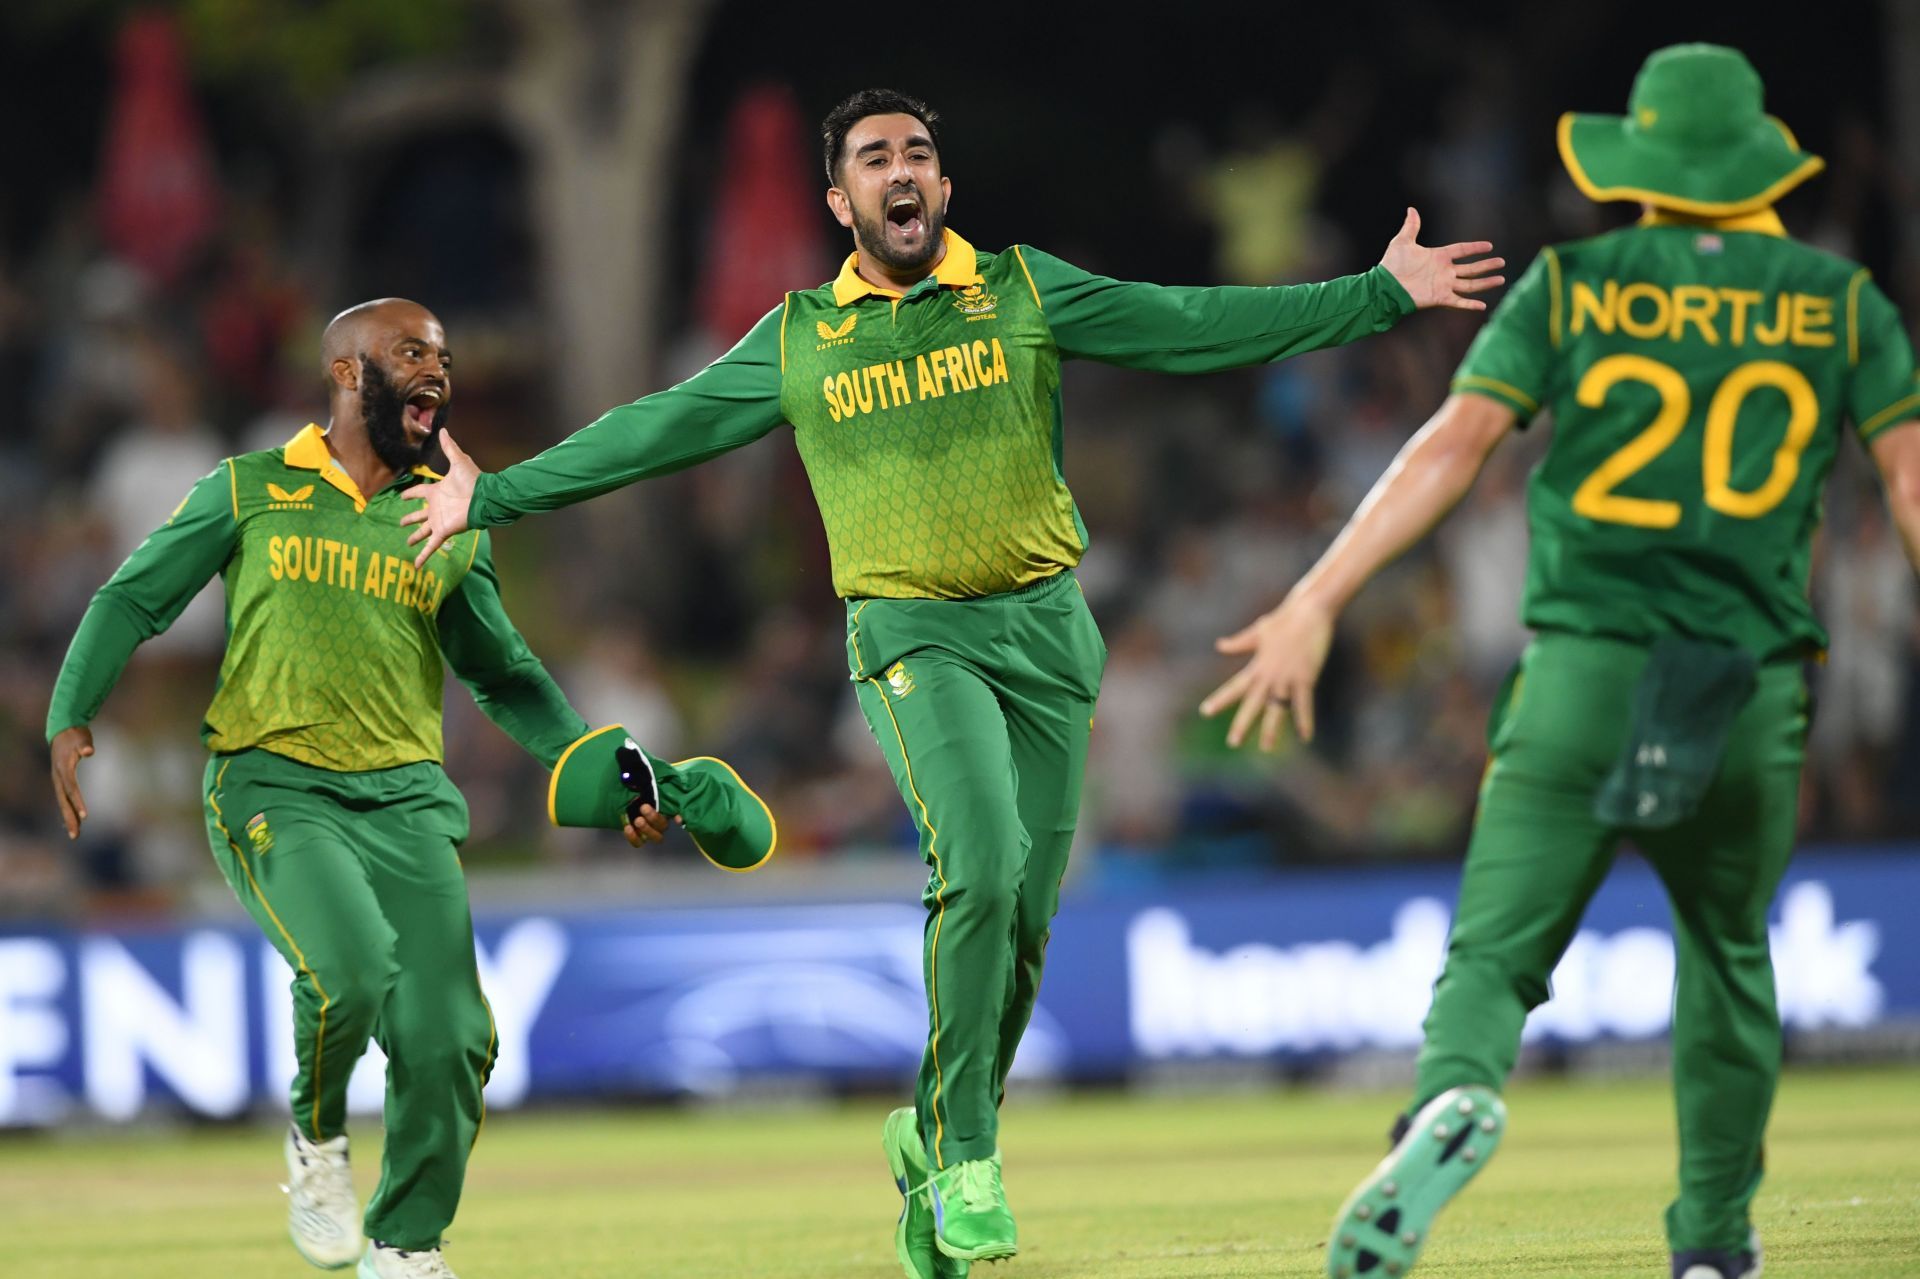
(955, 369)
(325, 562)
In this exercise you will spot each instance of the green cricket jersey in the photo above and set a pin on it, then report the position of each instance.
(1698, 374)
(929, 422)
(335, 642)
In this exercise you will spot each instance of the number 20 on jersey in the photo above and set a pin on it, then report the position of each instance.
(1597, 498)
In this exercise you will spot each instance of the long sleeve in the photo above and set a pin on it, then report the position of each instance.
(491, 658)
(1205, 330)
(145, 596)
(733, 401)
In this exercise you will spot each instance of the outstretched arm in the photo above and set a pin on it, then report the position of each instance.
(491, 657)
(1205, 330)
(1883, 398)
(733, 401)
(508, 683)
(1896, 452)
(1289, 645)
(143, 597)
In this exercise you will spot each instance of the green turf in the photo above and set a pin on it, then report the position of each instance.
(1111, 1186)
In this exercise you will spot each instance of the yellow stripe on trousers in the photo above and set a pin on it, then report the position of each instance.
(940, 918)
(326, 1001)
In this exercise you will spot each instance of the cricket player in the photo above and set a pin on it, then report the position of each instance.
(923, 388)
(326, 804)
(1698, 366)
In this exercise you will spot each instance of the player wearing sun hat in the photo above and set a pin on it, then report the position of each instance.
(1698, 366)
(1694, 140)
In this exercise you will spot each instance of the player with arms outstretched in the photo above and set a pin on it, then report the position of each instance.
(1698, 366)
(923, 387)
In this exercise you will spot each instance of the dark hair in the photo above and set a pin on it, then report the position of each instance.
(840, 120)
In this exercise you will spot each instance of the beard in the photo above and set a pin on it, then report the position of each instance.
(383, 410)
(870, 234)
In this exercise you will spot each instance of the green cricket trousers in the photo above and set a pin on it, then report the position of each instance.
(983, 708)
(355, 880)
(1537, 855)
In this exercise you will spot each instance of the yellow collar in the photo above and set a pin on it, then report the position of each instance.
(957, 269)
(308, 451)
(1763, 221)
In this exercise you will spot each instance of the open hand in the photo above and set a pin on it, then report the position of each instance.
(70, 746)
(1437, 276)
(1289, 647)
(446, 502)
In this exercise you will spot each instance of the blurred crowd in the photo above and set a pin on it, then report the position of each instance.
(696, 610)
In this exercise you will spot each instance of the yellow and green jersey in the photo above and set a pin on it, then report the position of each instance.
(1698, 375)
(335, 642)
(929, 421)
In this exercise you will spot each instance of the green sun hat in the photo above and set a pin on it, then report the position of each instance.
(1694, 139)
(604, 775)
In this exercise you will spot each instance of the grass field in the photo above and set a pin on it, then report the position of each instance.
(1111, 1186)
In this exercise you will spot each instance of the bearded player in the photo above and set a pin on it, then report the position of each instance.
(923, 386)
(326, 804)
(1698, 366)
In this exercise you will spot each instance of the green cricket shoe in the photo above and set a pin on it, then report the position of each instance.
(1386, 1220)
(971, 1220)
(913, 1235)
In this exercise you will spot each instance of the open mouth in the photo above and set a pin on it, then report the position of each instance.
(422, 405)
(903, 214)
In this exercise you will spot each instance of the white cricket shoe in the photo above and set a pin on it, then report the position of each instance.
(382, 1262)
(1713, 1264)
(323, 1217)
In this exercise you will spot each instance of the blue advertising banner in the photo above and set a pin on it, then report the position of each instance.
(610, 1002)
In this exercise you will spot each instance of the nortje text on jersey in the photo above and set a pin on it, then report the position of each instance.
(1738, 317)
(951, 370)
